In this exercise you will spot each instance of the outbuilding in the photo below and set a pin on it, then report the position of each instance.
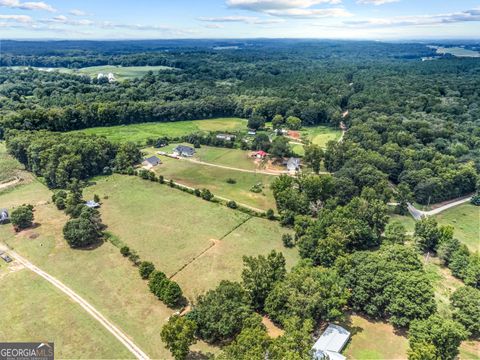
(4, 217)
(293, 164)
(151, 162)
(331, 343)
(260, 154)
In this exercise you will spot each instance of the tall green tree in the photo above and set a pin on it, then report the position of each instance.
(178, 334)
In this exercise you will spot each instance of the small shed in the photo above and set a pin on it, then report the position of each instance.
(4, 217)
(151, 162)
(260, 154)
(182, 150)
(227, 137)
(331, 343)
(6, 258)
(252, 132)
(293, 164)
(92, 204)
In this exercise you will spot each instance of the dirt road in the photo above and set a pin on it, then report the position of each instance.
(418, 214)
(121, 336)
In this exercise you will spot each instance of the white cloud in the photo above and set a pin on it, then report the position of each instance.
(376, 2)
(310, 13)
(62, 19)
(17, 4)
(24, 19)
(264, 5)
(300, 9)
(425, 20)
(77, 12)
(240, 19)
(214, 26)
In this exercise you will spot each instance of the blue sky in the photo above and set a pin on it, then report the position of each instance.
(156, 19)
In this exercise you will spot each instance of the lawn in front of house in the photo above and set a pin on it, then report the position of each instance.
(139, 133)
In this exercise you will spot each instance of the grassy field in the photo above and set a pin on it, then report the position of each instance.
(458, 52)
(321, 135)
(139, 133)
(9, 167)
(121, 72)
(214, 178)
(102, 276)
(228, 157)
(34, 310)
(179, 229)
(374, 340)
(465, 218)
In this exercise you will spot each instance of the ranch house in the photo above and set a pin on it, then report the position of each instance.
(331, 343)
(151, 162)
(182, 150)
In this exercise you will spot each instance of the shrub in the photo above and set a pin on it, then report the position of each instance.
(146, 268)
(125, 251)
(171, 183)
(270, 214)
(476, 199)
(231, 181)
(206, 195)
(257, 188)
(165, 289)
(60, 203)
(22, 217)
(134, 258)
(232, 204)
(197, 192)
(287, 240)
(161, 179)
(81, 232)
(96, 198)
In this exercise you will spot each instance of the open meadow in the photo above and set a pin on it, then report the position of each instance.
(464, 218)
(34, 310)
(139, 133)
(321, 135)
(102, 276)
(9, 167)
(121, 73)
(201, 242)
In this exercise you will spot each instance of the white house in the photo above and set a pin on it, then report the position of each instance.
(331, 343)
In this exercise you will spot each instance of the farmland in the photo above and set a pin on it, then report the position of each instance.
(120, 72)
(101, 275)
(177, 227)
(215, 179)
(139, 133)
(36, 311)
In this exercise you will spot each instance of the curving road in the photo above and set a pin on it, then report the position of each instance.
(121, 336)
(418, 214)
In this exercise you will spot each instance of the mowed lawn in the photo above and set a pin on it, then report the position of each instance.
(102, 276)
(201, 242)
(215, 179)
(34, 310)
(321, 135)
(139, 133)
(464, 218)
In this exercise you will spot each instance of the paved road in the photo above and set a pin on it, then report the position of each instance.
(121, 336)
(418, 214)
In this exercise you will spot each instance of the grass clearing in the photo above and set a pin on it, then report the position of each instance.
(215, 179)
(10, 168)
(374, 340)
(179, 229)
(464, 218)
(139, 133)
(321, 135)
(101, 276)
(35, 310)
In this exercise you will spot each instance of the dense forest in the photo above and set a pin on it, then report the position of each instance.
(411, 122)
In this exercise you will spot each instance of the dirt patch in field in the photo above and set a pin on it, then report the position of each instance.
(294, 134)
(273, 330)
